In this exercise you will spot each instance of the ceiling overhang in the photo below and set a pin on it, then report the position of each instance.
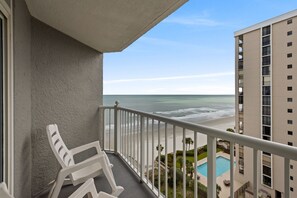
(105, 25)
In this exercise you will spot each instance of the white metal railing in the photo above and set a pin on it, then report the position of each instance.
(133, 135)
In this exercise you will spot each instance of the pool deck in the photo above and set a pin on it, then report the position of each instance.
(225, 189)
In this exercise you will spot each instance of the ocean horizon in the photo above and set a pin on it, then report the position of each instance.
(190, 108)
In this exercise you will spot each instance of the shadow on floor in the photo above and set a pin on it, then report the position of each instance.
(124, 177)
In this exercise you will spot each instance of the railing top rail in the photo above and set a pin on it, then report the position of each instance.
(252, 142)
(106, 107)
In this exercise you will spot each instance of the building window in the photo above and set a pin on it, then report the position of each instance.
(291, 166)
(240, 98)
(266, 130)
(265, 153)
(291, 178)
(266, 80)
(266, 60)
(291, 189)
(266, 91)
(289, 88)
(266, 51)
(290, 77)
(290, 132)
(266, 110)
(289, 33)
(266, 40)
(289, 44)
(266, 170)
(289, 55)
(290, 143)
(266, 120)
(266, 100)
(290, 121)
(266, 70)
(290, 99)
(290, 66)
(266, 180)
(290, 110)
(266, 30)
(289, 21)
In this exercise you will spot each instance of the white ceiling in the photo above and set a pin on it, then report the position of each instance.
(105, 25)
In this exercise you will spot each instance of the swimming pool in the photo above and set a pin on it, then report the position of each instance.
(223, 165)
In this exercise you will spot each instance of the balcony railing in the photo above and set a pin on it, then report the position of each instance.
(135, 136)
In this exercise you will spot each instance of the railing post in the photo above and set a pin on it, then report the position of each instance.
(141, 148)
(255, 177)
(232, 169)
(115, 130)
(211, 167)
(101, 127)
(287, 177)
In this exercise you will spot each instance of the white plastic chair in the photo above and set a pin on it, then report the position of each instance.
(82, 171)
(88, 188)
(4, 192)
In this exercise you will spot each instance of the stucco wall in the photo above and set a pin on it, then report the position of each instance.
(66, 89)
(22, 99)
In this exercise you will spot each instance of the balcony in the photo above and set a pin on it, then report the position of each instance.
(124, 177)
(134, 137)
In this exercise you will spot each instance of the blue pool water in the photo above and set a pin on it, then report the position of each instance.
(222, 166)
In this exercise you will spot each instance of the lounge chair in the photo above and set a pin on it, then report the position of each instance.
(3, 191)
(78, 173)
(88, 188)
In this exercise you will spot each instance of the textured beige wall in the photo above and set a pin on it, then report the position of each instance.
(66, 90)
(22, 99)
(251, 102)
(280, 95)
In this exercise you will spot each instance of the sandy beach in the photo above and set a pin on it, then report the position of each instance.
(130, 142)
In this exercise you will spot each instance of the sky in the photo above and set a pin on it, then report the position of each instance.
(189, 52)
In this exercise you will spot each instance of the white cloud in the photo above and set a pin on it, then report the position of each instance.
(210, 75)
(196, 21)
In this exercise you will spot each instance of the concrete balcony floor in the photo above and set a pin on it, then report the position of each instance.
(124, 177)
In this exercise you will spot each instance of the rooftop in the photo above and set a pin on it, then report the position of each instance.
(267, 22)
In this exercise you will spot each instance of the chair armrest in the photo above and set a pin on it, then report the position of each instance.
(82, 148)
(64, 172)
(70, 169)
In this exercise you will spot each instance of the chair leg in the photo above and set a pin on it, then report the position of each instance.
(107, 159)
(116, 190)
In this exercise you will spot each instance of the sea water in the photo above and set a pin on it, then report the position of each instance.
(191, 108)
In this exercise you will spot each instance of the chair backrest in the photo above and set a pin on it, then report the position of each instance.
(58, 146)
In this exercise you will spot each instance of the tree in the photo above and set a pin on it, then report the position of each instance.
(189, 141)
(190, 168)
(219, 189)
(160, 147)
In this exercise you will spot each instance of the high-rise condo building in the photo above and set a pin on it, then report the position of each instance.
(266, 98)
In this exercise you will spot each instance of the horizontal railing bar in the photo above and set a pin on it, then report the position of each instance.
(259, 144)
(106, 107)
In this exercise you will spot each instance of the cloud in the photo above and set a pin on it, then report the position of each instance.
(193, 21)
(210, 75)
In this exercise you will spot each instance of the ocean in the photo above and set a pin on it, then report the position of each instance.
(190, 108)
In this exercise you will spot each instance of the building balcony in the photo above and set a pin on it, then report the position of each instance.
(148, 170)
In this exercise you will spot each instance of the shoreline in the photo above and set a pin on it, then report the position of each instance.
(221, 123)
